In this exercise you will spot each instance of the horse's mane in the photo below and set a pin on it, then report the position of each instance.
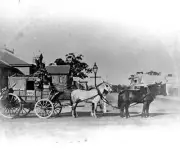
(96, 86)
(99, 84)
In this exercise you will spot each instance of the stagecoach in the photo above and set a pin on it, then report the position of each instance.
(23, 96)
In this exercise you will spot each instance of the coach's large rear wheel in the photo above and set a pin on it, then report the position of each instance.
(10, 106)
(44, 108)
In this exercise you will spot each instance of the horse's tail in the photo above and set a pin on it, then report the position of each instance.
(71, 99)
(119, 101)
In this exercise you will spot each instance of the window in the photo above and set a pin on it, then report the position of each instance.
(30, 85)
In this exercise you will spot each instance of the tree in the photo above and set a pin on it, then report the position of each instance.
(41, 73)
(78, 68)
(60, 61)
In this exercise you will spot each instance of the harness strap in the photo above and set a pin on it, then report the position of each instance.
(90, 97)
(141, 99)
(99, 93)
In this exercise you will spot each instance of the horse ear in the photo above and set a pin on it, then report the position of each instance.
(102, 80)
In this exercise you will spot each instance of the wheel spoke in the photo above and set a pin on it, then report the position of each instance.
(55, 104)
(57, 108)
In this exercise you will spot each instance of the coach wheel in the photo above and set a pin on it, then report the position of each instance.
(44, 108)
(57, 108)
(10, 106)
(25, 110)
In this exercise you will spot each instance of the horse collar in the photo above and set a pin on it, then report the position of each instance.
(99, 93)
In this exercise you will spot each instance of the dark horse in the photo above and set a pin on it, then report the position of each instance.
(144, 95)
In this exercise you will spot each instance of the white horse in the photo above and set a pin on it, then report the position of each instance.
(93, 95)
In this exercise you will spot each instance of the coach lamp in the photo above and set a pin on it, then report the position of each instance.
(95, 69)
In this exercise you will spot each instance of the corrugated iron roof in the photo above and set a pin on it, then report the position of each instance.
(12, 59)
(4, 64)
(60, 69)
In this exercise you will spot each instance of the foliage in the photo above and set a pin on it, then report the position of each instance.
(41, 73)
(78, 68)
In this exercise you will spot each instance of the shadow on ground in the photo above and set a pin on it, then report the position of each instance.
(153, 114)
(99, 114)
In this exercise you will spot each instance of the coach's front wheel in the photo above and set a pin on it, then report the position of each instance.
(44, 108)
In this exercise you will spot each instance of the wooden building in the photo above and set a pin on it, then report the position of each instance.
(4, 72)
(9, 65)
(15, 62)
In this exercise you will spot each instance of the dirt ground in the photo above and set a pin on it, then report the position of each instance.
(161, 129)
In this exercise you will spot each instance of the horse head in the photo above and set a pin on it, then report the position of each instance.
(161, 88)
(158, 88)
(105, 87)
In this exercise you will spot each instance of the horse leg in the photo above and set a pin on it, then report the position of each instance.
(144, 109)
(72, 111)
(147, 110)
(75, 108)
(92, 110)
(122, 110)
(127, 110)
(72, 107)
(95, 109)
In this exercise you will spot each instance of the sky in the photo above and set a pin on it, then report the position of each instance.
(123, 36)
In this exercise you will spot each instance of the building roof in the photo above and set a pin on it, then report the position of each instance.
(60, 69)
(12, 59)
(4, 64)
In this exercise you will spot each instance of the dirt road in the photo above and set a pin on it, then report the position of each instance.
(161, 128)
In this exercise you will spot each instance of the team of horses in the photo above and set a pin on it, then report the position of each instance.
(144, 94)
